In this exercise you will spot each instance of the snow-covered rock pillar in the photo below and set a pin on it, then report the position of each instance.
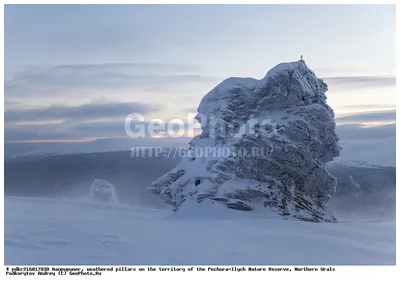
(103, 191)
(265, 141)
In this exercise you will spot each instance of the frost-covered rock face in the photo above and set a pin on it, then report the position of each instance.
(265, 141)
(103, 191)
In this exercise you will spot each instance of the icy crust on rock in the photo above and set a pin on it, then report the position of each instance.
(279, 133)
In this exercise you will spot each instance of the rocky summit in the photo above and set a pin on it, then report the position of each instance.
(264, 146)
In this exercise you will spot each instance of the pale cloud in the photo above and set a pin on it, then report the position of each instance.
(368, 117)
(359, 82)
(109, 79)
(90, 111)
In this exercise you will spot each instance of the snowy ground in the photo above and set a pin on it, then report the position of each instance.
(41, 231)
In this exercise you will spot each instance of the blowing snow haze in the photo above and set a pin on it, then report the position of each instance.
(294, 166)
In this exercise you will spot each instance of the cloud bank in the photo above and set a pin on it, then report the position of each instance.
(84, 112)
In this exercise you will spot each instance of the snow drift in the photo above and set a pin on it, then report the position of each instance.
(279, 133)
(54, 232)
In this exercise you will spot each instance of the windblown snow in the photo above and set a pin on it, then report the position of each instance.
(51, 232)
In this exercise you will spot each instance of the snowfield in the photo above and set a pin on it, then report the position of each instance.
(60, 232)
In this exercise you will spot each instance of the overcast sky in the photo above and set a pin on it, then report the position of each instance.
(74, 72)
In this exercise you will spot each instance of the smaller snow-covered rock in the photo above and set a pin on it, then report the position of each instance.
(103, 191)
